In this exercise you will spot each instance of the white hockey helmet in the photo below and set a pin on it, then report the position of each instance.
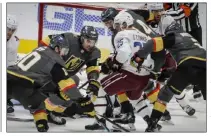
(122, 19)
(12, 22)
(155, 6)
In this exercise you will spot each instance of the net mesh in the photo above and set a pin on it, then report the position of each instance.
(60, 19)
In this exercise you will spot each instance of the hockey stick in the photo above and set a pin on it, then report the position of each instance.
(102, 124)
(100, 105)
(84, 84)
(19, 119)
(120, 127)
(151, 71)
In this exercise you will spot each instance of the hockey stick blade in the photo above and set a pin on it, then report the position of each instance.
(120, 127)
(102, 124)
(19, 119)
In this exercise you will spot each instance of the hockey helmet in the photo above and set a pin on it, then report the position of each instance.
(109, 14)
(60, 42)
(123, 20)
(12, 22)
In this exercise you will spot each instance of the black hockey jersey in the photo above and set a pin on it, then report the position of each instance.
(38, 64)
(179, 43)
(77, 57)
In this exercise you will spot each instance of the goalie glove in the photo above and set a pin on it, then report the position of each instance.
(93, 89)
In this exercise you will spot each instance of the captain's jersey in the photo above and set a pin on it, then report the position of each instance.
(127, 43)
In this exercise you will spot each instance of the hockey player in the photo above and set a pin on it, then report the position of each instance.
(12, 47)
(126, 80)
(108, 17)
(82, 51)
(187, 15)
(191, 66)
(44, 65)
(163, 22)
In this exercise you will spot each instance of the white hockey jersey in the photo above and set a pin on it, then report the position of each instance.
(12, 47)
(127, 43)
(165, 21)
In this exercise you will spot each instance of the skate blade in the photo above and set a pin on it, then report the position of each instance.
(167, 122)
(11, 114)
(129, 127)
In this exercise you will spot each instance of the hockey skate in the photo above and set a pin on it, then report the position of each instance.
(166, 116)
(127, 121)
(55, 119)
(10, 108)
(189, 110)
(153, 126)
(185, 106)
(96, 125)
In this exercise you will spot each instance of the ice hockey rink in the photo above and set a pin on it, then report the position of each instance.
(180, 122)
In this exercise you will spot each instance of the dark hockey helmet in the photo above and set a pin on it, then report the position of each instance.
(109, 14)
(60, 42)
(89, 32)
(89, 37)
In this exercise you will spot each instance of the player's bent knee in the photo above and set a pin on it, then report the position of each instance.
(153, 94)
(76, 79)
(165, 94)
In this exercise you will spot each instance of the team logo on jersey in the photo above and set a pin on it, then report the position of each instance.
(73, 63)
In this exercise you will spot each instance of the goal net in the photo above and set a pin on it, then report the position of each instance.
(55, 18)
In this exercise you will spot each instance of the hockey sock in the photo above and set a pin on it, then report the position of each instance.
(181, 100)
(152, 95)
(40, 118)
(124, 102)
(158, 110)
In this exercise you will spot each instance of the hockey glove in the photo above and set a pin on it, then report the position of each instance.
(111, 65)
(81, 106)
(105, 69)
(155, 76)
(166, 73)
(93, 89)
(136, 61)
